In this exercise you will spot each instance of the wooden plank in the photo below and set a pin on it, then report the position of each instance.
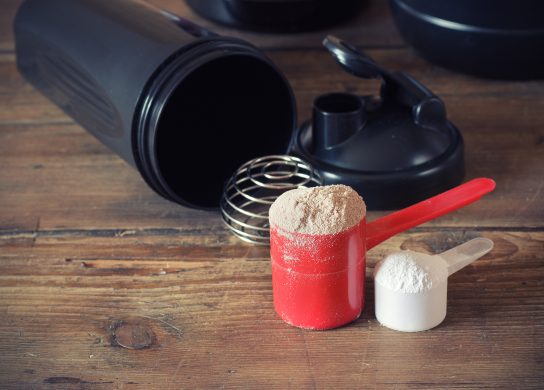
(9, 9)
(62, 177)
(314, 72)
(372, 26)
(103, 284)
(208, 309)
(495, 147)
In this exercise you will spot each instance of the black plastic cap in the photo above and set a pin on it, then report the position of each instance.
(394, 151)
(493, 38)
(276, 15)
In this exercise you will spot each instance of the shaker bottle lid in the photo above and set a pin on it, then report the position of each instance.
(395, 150)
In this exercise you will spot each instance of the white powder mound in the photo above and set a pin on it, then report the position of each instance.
(318, 210)
(410, 272)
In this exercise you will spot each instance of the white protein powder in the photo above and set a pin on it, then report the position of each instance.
(410, 272)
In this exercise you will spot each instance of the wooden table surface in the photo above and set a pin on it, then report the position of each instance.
(92, 261)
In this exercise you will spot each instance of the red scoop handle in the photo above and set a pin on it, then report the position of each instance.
(460, 196)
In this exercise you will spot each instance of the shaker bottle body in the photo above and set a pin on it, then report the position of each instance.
(171, 98)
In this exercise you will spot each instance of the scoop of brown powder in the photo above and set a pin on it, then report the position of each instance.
(318, 210)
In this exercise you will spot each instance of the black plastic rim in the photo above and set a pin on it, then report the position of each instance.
(501, 53)
(158, 92)
(395, 189)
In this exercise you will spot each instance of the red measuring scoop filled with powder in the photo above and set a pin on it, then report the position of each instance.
(318, 242)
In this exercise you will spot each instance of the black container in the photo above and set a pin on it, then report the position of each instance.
(183, 105)
(492, 38)
(276, 15)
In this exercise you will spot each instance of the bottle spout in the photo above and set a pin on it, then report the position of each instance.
(336, 118)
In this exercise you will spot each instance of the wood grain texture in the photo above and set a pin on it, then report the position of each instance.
(103, 284)
(371, 26)
(207, 301)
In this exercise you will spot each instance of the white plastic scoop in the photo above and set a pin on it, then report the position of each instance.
(410, 288)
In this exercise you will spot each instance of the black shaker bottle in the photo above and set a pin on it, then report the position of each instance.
(183, 105)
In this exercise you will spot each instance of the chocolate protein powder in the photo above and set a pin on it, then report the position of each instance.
(318, 210)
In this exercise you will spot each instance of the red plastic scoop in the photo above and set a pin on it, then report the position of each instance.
(318, 280)
(460, 196)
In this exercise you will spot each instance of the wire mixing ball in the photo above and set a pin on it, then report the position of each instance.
(253, 188)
